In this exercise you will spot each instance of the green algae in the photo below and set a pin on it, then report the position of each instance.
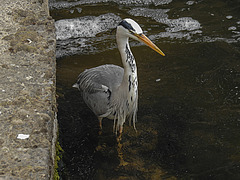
(58, 157)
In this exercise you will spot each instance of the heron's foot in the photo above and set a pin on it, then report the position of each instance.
(120, 154)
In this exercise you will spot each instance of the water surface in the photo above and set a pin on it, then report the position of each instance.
(189, 114)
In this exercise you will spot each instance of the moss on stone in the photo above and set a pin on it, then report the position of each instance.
(59, 152)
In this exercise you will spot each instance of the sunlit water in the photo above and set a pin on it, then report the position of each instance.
(189, 113)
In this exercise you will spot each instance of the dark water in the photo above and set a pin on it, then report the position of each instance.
(189, 113)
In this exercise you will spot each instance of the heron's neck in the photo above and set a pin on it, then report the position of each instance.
(128, 59)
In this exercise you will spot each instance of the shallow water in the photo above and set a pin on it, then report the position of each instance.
(189, 114)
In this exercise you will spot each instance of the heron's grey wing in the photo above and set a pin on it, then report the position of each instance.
(97, 84)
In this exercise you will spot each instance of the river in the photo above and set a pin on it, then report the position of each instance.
(189, 101)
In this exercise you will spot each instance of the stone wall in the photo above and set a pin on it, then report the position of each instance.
(28, 123)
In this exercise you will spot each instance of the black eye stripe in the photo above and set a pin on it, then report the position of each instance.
(126, 25)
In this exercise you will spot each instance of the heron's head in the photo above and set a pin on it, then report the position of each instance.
(130, 28)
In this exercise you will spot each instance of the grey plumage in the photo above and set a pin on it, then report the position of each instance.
(97, 84)
(99, 87)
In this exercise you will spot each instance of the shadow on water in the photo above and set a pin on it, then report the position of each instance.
(76, 136)
(188, 118)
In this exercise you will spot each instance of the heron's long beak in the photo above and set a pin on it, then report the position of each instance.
(148, 42)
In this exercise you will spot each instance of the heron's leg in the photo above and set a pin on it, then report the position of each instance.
(120, 133)
(100, 122)
(100, 125)
(120, 129)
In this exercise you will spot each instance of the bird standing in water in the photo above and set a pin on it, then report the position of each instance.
(112, 91)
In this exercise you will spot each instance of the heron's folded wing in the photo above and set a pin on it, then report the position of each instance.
(102, 78)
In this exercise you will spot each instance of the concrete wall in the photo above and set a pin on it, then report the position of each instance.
(27, 90)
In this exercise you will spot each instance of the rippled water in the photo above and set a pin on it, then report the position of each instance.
(189, 113)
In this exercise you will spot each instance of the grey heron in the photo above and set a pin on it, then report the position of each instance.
(111, 91)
